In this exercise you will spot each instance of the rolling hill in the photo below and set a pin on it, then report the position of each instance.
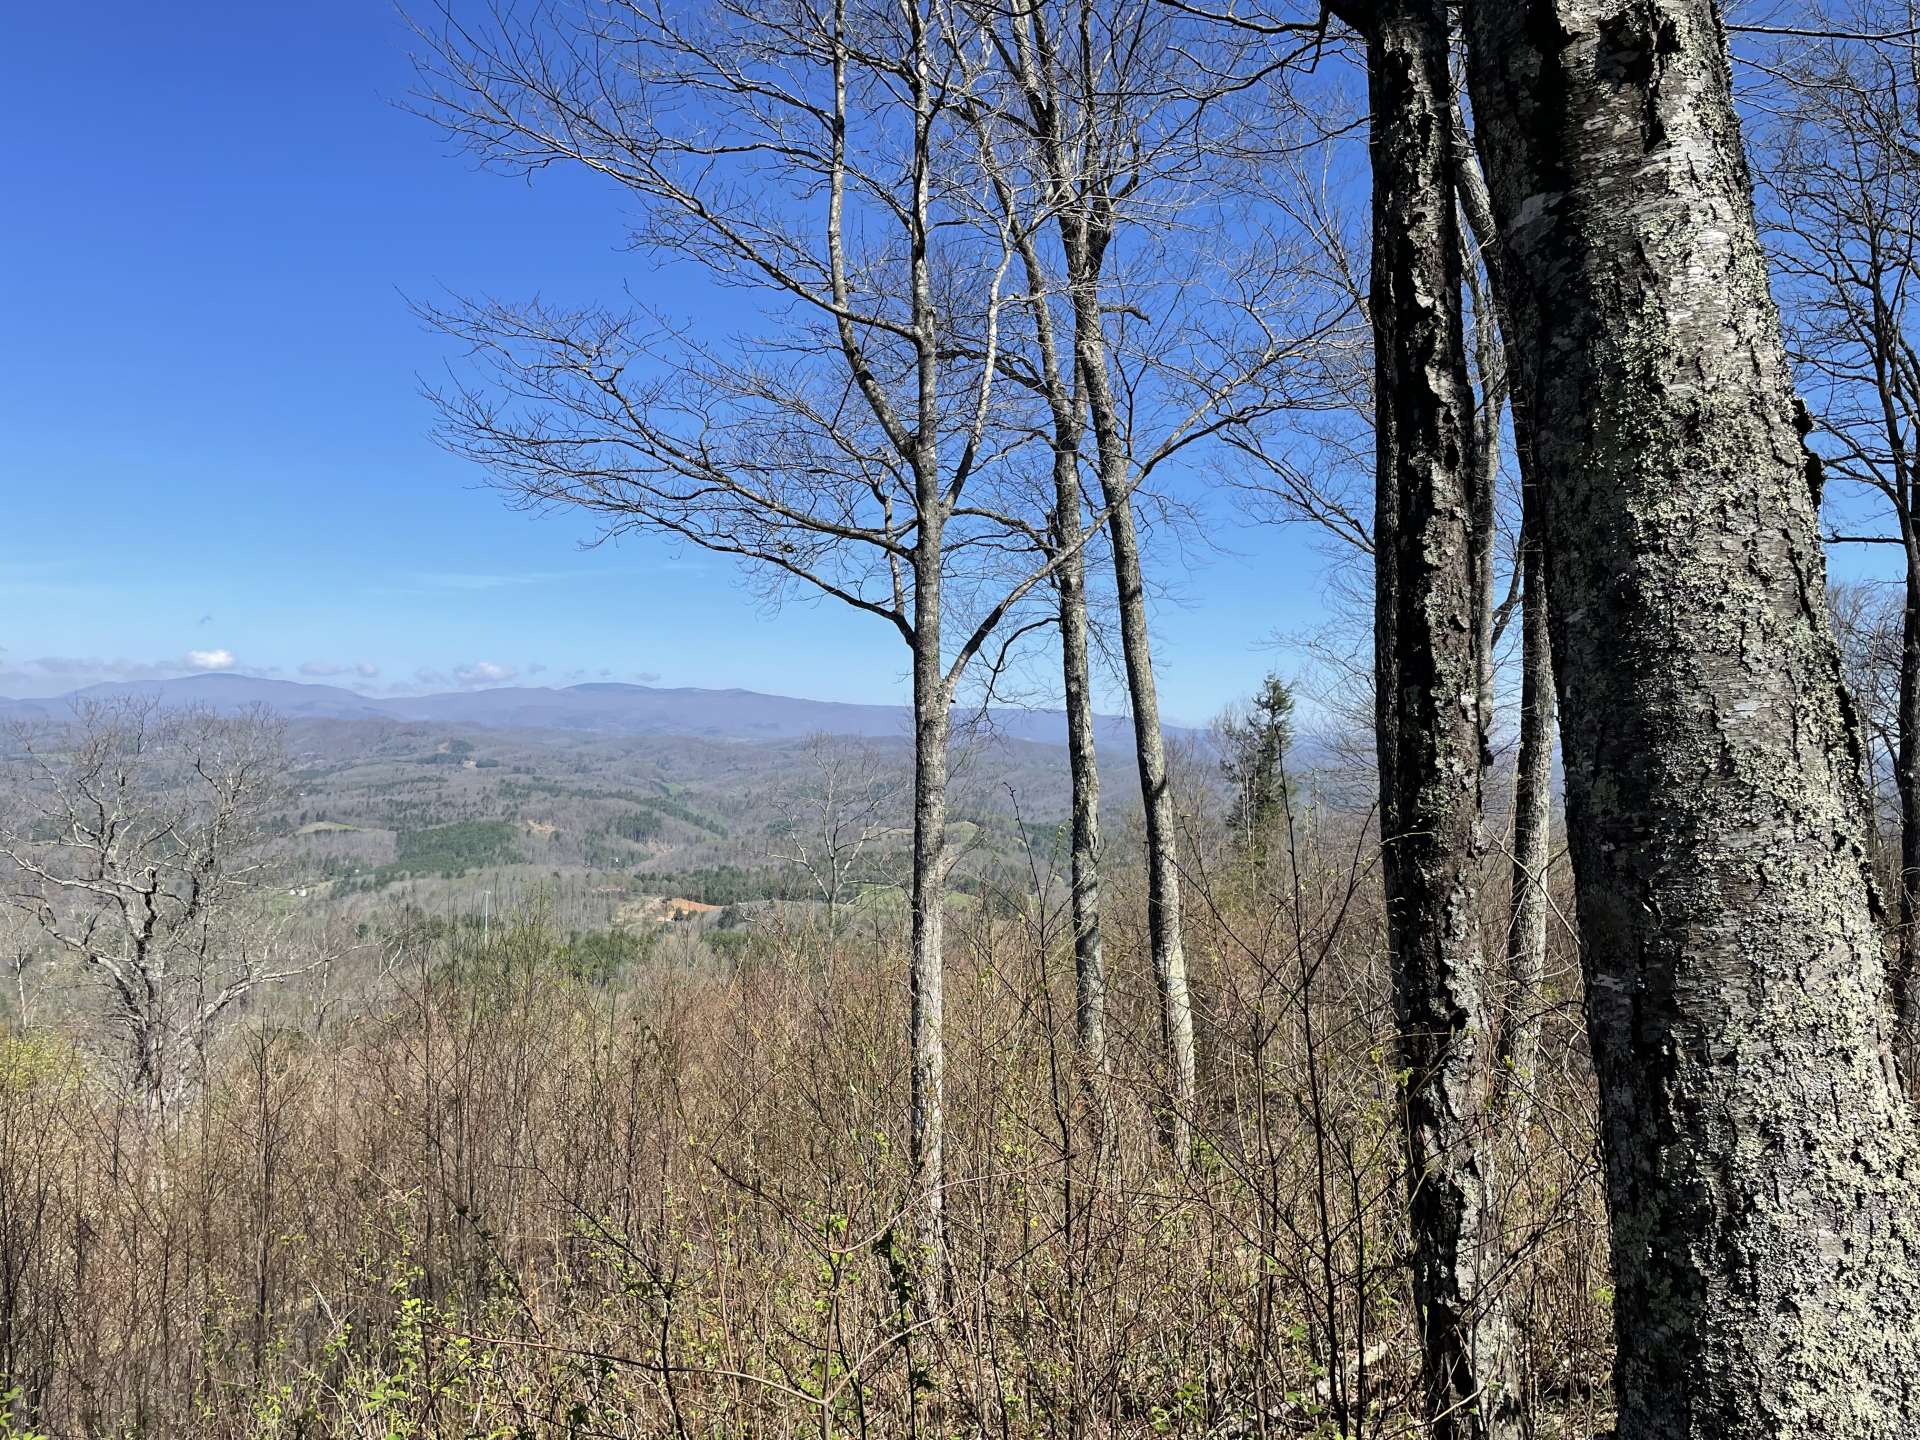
(609, 708)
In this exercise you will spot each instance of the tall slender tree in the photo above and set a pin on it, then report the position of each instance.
(1108, 128)
(863, 448)
(1760, 1157)
(1429, 588)
(1528, 904)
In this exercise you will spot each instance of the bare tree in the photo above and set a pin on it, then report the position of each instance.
(1180, 322)
(1759, 1150)
(23, 957)
(864, 448)
(1869, 624)
(1051, 372)
(1842, 170)
(134, 836)
(838, 817)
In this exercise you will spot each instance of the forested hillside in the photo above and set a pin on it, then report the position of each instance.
(1498, 1023)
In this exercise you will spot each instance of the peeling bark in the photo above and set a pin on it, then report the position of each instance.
(1761, 1160)
(1428, 662)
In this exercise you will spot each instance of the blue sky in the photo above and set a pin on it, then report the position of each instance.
(212, 439)
(211, 430)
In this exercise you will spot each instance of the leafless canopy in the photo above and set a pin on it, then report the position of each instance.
(818, 156)
(134, 836)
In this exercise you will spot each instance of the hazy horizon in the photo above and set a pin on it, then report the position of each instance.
(226, 379)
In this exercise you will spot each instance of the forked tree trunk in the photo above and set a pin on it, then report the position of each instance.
(1069, 535)
(1164, 935)
(1427, 667)
(1760, 1157)
(1081, 199)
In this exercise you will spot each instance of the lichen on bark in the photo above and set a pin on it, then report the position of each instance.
(1760, 1157)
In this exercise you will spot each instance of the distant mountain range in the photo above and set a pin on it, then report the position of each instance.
(617, 709)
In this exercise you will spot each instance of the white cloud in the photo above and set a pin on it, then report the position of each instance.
(323, 669)
(484, 672)
(210, 660)
(94, 668)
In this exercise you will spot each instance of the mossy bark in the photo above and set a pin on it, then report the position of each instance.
(1760, 1157)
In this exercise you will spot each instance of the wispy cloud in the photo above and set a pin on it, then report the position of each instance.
(93, 667)
(209, 660)
(328, 669)
(45, 675)
(484, 672)
(470, 580)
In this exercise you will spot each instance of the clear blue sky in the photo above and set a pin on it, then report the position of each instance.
(211, 432)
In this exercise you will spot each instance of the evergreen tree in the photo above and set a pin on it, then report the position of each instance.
(1253, 758)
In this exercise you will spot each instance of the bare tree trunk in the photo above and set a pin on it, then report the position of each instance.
(1528, 911)
(927, 964)
(1761, 1159)
(1080, 191)
(1089, 962)
(1428, 674)
(1164, 936)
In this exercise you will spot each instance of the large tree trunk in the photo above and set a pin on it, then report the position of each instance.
(1427, 659)
(1906, 781)
(1760, 1157)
